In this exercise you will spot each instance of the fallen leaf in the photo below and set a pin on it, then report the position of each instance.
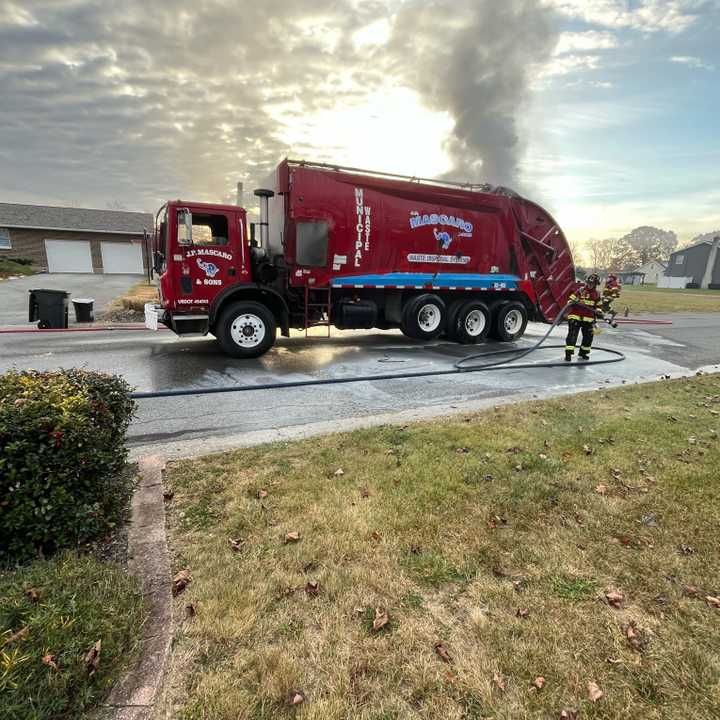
(236, 544)
(292, 537)
(499, 682)
(614, 598)
(32, 595)
(569, 714)
(713, 601)
(522, 612)
(296, 697)
(262, 493)
(92, 658)
(518, 585)
(190, 611)
(462, 450)
(339, 472)
(364, 493)
(566, 456)
(587, 450)
(601, 489)
(19, 635)
(168, 495)
(594, 691)
(381, 619)
(376, 536)
(312, 588)
(181, 581)
(441, 650)
(49, 660)
(539, 682)
(542, 456)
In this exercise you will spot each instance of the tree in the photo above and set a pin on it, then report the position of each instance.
(648, 243)
(606, 254)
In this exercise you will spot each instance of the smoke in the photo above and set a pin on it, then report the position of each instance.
(477, 60)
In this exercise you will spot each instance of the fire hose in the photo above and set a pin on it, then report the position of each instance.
(458, 367)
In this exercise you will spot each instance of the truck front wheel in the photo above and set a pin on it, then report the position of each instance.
(246, 330)
(510, 321)
(423, 317)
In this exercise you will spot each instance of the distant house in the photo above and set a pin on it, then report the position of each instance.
(697, 266)
(631, 277)
(62, 239)
(652, 270)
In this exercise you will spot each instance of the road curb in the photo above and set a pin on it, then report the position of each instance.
(133, 698)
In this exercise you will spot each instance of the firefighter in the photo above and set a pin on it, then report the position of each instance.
(610, 293)
(581, 317)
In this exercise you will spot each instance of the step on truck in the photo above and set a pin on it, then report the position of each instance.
(355, 249)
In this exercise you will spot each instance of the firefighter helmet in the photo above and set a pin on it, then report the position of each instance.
(592, 279)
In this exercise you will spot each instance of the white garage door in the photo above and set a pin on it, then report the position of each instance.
(125, 258)
(68, 256)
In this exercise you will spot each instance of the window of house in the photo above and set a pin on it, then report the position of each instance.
(679, 259)
(5, 243)
(311, 246)
(206, 229)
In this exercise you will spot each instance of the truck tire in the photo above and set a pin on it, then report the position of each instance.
(246, 329)
(510, 321)
(468, 321)
(423, 317)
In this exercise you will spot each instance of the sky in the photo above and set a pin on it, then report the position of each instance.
(606, 112)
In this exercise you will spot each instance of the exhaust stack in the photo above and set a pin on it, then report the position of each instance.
(264, 196)
(239, 200)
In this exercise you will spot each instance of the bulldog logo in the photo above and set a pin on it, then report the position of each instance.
(209, 268)
(443, 238)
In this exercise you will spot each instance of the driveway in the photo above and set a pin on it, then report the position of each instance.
(103, 288)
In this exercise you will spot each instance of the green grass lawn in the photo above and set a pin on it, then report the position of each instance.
(652, 299)
(52, 614)
(509, 564)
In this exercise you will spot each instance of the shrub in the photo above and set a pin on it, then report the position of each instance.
(61, 454)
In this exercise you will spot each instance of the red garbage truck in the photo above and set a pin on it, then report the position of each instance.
(351, 248)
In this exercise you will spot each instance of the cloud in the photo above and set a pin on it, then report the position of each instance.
(672, 16)
(691, 61)
(584, 41)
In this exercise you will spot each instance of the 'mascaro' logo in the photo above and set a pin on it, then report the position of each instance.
(444, 237)
(209, 268)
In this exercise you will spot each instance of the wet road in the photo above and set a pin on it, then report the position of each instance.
(192, 425)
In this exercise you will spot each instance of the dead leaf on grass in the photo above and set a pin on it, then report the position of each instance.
(295, 697)
(236, 544)
(49, 660)
(569, 714)
(375, 535)
(262, 493)
(339, 472)
(32, 595)
(190, 611)
(462, 450)
(713, 601)
(382, 618)
(292, 537)
(168, 495)
(19, 635)
(442, 652)
(522, 613)
(587, 450)
(181, 581)
(594, 691)
(538, 683)
(92, 658)
(364, 493)
(499, 682)
(614, 598)
(312, 588)
(601, 489)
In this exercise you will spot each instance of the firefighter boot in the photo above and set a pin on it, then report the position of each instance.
(568, 355)
(583, 355)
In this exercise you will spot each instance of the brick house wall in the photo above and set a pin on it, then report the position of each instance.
(30, 244)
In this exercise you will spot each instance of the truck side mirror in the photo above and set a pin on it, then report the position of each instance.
(184, 218)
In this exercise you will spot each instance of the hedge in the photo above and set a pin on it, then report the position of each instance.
(62, 451)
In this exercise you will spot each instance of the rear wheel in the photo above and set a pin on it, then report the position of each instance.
(246, 330)
(468, 322)
(423, 317)
(510, 321)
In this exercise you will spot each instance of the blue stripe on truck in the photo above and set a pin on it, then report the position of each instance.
(422, 280)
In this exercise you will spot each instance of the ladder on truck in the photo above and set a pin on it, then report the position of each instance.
(324, 308)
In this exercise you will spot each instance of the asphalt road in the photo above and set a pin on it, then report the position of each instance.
(102, 288)
(192, 425)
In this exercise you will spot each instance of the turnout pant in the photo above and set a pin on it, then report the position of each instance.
(574, 328)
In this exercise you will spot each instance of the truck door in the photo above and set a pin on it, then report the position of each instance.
(210, 254)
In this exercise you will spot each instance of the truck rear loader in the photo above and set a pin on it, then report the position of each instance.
(352, 248)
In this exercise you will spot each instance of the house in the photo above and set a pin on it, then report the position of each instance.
(652, 270)
(696, 266)
(63, 239)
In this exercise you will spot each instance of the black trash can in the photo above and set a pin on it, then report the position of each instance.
(49, 307)
(84, 311)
